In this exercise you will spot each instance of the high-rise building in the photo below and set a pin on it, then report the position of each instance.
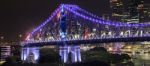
(135, 10)
(145, 13)
(5, 52)
(117, 9)
(126, 10)
(105, 16)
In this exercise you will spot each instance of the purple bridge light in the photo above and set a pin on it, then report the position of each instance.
(72, 24)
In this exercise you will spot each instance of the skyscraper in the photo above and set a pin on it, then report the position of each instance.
(117, 9)
(126, 10)
(145, 13)
(135, 6)
(136, 10)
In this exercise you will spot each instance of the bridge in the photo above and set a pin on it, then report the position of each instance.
(69, 26)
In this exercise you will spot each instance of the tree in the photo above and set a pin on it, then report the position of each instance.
(99, 49)
(115, 58)
(48, 55)
(101, 54)
(125, 56)
(96, 54)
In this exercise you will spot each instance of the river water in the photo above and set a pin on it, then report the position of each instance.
(142, 59)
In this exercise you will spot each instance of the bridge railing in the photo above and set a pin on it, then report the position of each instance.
(90, 37)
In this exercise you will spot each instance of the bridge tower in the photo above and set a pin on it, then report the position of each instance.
(68, 53)
(30, 54)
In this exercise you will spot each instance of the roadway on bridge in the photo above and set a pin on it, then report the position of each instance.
(91, 41)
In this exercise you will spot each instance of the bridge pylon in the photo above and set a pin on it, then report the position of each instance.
(30, 54)
(68, 53)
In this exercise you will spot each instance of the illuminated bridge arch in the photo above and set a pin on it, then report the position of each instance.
(83, 25)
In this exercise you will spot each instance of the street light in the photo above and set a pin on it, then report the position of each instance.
(20, 36)
(2, 37)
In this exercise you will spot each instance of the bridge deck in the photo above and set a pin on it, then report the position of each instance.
(91, 41)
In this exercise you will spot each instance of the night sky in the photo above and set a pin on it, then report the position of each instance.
(21, 16)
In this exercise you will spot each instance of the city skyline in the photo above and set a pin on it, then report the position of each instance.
(75, 33)
(21, 17)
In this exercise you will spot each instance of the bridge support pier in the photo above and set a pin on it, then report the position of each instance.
(30, 54)
(117, 48)
(70, 54)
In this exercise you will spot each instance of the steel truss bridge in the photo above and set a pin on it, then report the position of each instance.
(81, 27)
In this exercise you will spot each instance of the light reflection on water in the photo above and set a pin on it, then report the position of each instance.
(142, 59)
(145, 56)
